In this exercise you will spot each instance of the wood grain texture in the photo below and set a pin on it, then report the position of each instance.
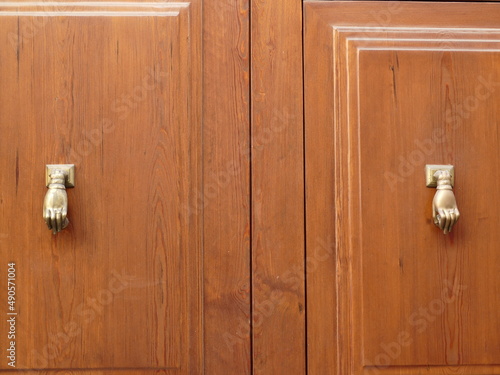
(116, 90)
(322, 356)
(391, 97)
(277, 189)
(226, 194)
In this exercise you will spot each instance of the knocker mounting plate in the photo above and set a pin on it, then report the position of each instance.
(430, 171)
(68, 168)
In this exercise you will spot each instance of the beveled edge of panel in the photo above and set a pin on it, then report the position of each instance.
(102, 9)
(413, 34)
(422, 39)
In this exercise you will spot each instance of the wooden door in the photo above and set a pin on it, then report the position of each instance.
(389, 88)
(116, 90)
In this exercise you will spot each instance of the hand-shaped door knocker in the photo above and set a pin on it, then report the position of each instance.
(55, 204)
(444, 205)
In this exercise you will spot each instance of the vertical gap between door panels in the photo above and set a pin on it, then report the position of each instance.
(250, 181)
(201, 263)
(306, 354)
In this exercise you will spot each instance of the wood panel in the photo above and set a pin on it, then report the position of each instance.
(322, 349)
(278, 272)
(390, 88)
(116, 90)
(226, 193)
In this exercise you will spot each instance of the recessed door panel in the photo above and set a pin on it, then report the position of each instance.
(115, 90)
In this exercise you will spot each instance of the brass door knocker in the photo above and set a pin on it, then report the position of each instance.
(55, 204)
(444, 205)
